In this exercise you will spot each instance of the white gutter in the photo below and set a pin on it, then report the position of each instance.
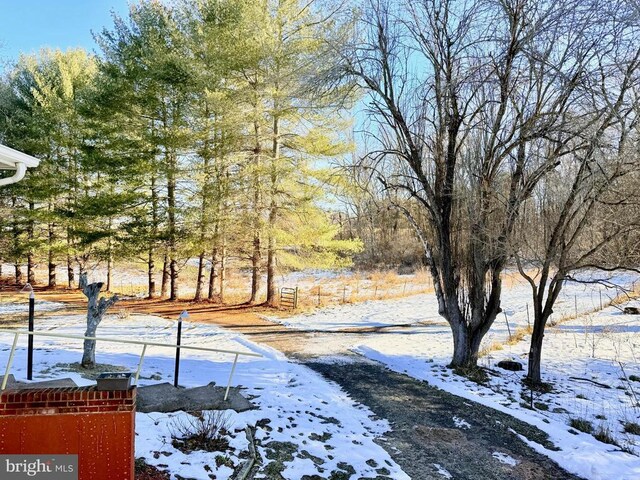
(11, 159)
(21, 171)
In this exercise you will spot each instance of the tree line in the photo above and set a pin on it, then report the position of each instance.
(200, 130)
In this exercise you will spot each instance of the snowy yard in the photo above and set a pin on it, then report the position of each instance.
(591, 361)
(590, 358)
(296, 406)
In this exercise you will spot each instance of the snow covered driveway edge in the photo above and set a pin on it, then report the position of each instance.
(580, 453)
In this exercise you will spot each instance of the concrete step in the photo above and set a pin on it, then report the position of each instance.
(164, 397)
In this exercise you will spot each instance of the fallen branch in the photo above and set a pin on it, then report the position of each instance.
(248, 465)
(591, 381)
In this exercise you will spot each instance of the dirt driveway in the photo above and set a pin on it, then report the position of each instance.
(433, 430)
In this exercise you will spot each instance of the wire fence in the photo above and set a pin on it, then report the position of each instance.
(332, 293)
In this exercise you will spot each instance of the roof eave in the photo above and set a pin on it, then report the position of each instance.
(10, 157)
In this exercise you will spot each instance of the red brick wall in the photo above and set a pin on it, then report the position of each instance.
(96, 425)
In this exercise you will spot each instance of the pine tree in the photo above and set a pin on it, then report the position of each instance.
(148, 56)
(299, 114)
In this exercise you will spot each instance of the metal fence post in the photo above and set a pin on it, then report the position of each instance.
(184, 315)
(233, 369)
(32, 308)
(144, 350)
(507, 322)
(600, 292)
(10, 361)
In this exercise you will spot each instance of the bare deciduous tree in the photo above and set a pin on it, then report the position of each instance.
(587, 210)
(471, 107)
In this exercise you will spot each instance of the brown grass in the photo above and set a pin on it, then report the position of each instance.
(361, 287)
(515, 338)
(519, 335)
(493, 347)
(625, 297)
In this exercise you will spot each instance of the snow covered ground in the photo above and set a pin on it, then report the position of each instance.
(586, 350)
(40, 306)
(421, 310)
(600, 346)
(299, 406)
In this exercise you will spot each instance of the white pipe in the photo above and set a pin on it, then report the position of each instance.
(21, 170)
(132, 342)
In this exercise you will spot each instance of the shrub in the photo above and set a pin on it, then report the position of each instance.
(201, 431)
(604, 435)
(581, 424)
(224, 460)
(632, 427)
(542, 387)
(475, 374)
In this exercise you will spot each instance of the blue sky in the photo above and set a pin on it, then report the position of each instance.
(28, 25)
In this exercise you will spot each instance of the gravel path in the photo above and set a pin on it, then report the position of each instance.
(425, 437)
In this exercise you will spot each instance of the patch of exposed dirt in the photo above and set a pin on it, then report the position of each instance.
(144, 471)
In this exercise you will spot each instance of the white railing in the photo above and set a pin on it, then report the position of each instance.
(17, 334)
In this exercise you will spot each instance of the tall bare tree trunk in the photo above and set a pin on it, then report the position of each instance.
(70, 275)
(545, 294)
(200, 279)
(256, 255)
(151, 266)
(151, 283)
(273, 212)
(255, 268)
(109, 255)
(213, 271)
(16, 242)
(51, 264)
(31, 273)
(213, 274)
(171, 216)
(223, 270)
(165, 276)
(535, 354)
